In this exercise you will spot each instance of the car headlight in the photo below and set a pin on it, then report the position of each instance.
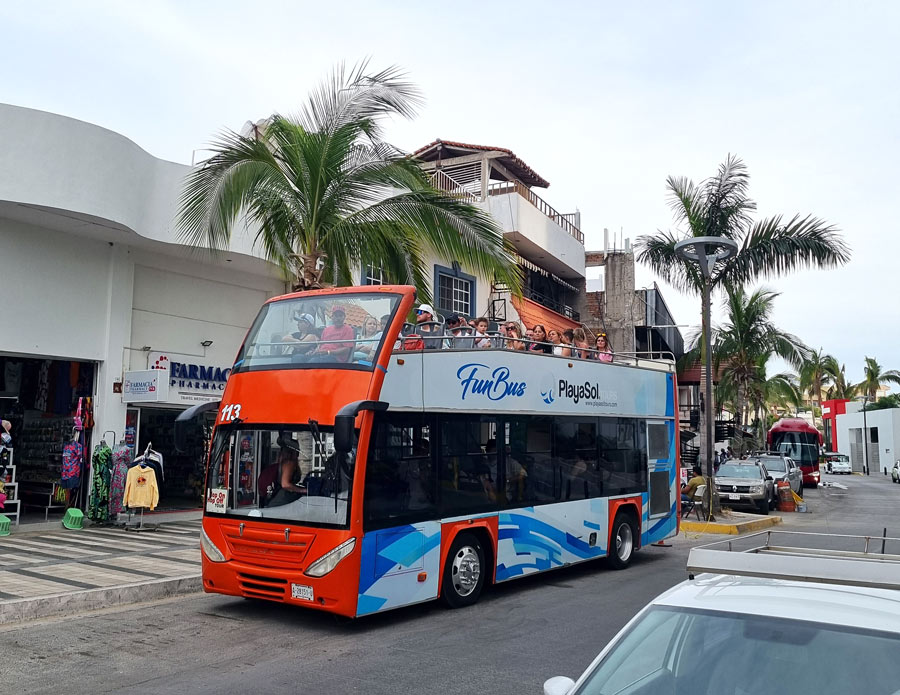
(756, 489)
(213, 554)
(330, 560)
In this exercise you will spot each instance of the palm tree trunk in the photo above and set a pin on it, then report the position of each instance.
(309, 275)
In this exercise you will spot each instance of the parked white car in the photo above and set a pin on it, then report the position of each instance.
(838, 463)
(731, 633)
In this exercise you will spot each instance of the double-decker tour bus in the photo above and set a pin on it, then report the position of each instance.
(353, 474)
(801, 441)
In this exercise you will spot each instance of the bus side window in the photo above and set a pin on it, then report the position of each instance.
(399, 484)
(469, 475)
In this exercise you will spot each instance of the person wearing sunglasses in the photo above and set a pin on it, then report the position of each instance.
(425, 326)
(604, 351)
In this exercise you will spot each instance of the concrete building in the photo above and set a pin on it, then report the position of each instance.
(872, 438)
(549, 244)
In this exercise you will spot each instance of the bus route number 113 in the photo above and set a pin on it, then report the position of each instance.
(230, 413)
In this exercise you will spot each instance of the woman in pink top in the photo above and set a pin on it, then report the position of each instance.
(604, 351)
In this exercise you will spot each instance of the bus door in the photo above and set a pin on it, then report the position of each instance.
(660, 507)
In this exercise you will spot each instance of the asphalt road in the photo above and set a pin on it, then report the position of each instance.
(517, 636)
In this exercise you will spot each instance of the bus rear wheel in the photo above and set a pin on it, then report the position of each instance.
(623, 541)
(464, 571)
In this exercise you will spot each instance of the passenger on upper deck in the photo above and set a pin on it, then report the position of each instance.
(582, 345)
(462, 334)
(370, 337)
(514, 336)
(425, 327)
(337, 331)
(541, 340)
(304, 337)
(481, 338)
(604, 350)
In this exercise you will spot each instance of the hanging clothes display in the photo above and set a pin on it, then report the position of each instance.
(141, 490)
(72, 460)
(121, 460)
(98, 506)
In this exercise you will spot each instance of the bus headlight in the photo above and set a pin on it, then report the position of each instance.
(330, 560)
(213, 554)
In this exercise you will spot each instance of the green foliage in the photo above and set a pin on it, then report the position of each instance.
(876, 377)
(721, 206)
(325, 193)
(885, 403)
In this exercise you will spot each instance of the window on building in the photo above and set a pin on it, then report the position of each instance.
(373, 275)
(455, 291)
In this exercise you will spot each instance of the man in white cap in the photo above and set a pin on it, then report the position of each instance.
(425, 315)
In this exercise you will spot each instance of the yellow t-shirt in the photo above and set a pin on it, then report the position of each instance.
(141, 489)
(692, 486)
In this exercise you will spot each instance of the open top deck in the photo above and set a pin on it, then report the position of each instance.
(862, 561)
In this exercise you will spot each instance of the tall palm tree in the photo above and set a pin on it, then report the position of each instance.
(721, 206)
(876, 377)
(840, 387)
(325, 193)
(744, 344)
(814, 376)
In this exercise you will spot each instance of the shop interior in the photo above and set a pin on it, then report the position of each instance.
(183, 473)
(40, 398)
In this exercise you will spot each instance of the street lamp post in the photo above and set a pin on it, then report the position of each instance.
(865, 436)
(706, 251)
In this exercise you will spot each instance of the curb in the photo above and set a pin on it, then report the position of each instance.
(731, 529)
(57, 605)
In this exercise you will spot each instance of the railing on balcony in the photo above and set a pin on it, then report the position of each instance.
(446, 183)
(552, 304)
(564, 221)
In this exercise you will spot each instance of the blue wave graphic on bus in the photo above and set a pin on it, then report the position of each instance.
(547, 396)
(495, 386)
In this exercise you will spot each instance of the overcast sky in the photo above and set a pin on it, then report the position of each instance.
(603, 99)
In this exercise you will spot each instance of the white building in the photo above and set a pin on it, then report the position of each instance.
(882, 428)
(94, 284)
(97, 289)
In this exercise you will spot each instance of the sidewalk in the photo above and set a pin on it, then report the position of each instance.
(61, 571)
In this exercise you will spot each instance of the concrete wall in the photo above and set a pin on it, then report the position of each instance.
(886, 449)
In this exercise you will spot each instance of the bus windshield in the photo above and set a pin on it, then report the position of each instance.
(341, 330)
(283, 474)
(799, 446)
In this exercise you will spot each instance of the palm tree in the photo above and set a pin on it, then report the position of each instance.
(814, 375)
(745, 343)
(720, 206)
(876, 377)
(840, 387)
(325, 193)
(779, 391)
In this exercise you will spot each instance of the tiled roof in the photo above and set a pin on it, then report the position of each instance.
(526, 174)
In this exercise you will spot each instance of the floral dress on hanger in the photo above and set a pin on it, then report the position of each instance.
(98, 507)
(121, 459)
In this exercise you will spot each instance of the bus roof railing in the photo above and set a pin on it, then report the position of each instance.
(811, 557)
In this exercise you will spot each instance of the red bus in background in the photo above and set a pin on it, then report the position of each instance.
(801, 441)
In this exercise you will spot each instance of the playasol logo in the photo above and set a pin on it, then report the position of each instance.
(494, 385)
(587, 392)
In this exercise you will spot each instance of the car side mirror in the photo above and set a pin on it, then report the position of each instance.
(558, 685)
(769, 478)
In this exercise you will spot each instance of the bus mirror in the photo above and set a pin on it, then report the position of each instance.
(188, 421)
(345, 420)
(343, 433)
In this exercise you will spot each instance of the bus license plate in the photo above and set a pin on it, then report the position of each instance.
(302, 591)
(731, 496)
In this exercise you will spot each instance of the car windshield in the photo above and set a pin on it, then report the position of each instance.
(839, 459)
(675, 650)
(775, 464)
(283, 474)
(340, 330)
(737, 470)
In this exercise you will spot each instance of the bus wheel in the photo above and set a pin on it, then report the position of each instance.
(623, 541)
(464, 571)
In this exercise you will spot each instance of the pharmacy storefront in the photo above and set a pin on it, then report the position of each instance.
(155, 397)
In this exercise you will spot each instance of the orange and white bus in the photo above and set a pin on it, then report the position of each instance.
(348, 475)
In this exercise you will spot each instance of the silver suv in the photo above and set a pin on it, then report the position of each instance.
(781, 467)
(746, 484)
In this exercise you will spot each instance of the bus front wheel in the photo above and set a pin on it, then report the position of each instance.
(464, 571)
(623, 538)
